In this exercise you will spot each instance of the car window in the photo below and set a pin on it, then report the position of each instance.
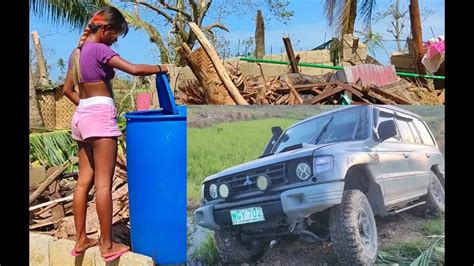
(341, 129)
(405, 131)
(416, 135)
(424, 133)
(384, 117)
(345, 125)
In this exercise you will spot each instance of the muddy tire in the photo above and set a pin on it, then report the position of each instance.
(353, 230)
(435, 197)
(232, 250)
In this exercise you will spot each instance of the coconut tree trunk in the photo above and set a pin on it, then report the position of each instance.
(43, 80)
(260, 36)
(35, 117)
(352, 18)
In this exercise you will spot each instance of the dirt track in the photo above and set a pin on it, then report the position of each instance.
(403, 227)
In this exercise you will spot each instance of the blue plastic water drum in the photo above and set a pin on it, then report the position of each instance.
(156, 167)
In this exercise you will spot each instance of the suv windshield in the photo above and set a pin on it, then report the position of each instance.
(345, 125)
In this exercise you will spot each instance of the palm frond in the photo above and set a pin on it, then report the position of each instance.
(425, 257)
(74, 13)
(329, 8)
(365, 12)
(373, 41)
(52, 148)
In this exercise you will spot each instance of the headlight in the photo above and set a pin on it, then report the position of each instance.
(213, 191)
(262, 182)
(224, 190)
(323, 164)
(303, 171)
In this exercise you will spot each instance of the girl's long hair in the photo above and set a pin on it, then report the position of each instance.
(106, 16)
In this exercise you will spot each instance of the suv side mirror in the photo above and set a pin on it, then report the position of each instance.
(276, 133)
(386, 130)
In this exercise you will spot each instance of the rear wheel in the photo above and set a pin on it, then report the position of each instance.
(435, 196)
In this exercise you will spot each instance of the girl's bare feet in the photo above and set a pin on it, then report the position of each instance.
(83, 244)
(113, 249)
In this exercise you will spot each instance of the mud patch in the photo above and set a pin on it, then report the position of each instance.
(298, 252)
(395, 229)
(403, 227)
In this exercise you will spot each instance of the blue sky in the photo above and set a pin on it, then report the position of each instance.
(307, 29)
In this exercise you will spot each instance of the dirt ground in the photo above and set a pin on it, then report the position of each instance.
(402, 227)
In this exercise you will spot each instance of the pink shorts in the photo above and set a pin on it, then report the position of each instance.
(95, 117)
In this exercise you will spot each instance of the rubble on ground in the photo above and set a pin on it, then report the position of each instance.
(295, 88)
(51, 213)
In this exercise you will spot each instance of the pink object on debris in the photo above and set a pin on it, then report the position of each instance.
(434, 47)
(143, 101)
(434, 55)
(370, 74)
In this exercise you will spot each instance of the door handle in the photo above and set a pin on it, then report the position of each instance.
(406, 155)
(428, 155)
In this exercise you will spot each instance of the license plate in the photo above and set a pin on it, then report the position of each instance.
(248, 215)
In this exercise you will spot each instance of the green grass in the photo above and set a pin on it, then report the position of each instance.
(407, 249)
(224, 145)
(207, 252)
(433, 227)
(417, 250)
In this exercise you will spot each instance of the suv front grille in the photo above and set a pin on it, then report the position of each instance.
(239, 183)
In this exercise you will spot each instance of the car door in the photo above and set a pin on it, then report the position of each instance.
(426, 153)
(415, 181)
(392, 166)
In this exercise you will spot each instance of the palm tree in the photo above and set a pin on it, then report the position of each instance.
(75, 13)
(342, 14)
(35, 116)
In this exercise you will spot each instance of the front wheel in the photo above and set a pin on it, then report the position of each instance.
(353, 230)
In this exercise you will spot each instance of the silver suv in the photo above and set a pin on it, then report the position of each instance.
(325, 178)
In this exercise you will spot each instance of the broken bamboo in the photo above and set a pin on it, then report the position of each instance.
(51, 178)
(223, 75)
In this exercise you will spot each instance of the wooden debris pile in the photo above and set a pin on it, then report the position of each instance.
(51, 203)
(295, 88)
(226, 85)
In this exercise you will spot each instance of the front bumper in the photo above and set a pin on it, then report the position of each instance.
(295, 203)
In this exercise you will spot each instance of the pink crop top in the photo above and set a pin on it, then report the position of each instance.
(93, 62)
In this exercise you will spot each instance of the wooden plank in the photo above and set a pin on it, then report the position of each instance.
(396, 98)
(326, 94)
(70, 197)
(305, 87)
(57, 211)
(34, 226)
(46, 209)
(350, 89)
(291, 99)
(282, 99)
(380, 98)
(293, 91)
(223, 75)
(51, 178)
(291, 55)
(441, 97)
(357, 87)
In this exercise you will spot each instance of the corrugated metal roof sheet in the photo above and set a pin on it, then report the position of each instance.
(371, 74)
